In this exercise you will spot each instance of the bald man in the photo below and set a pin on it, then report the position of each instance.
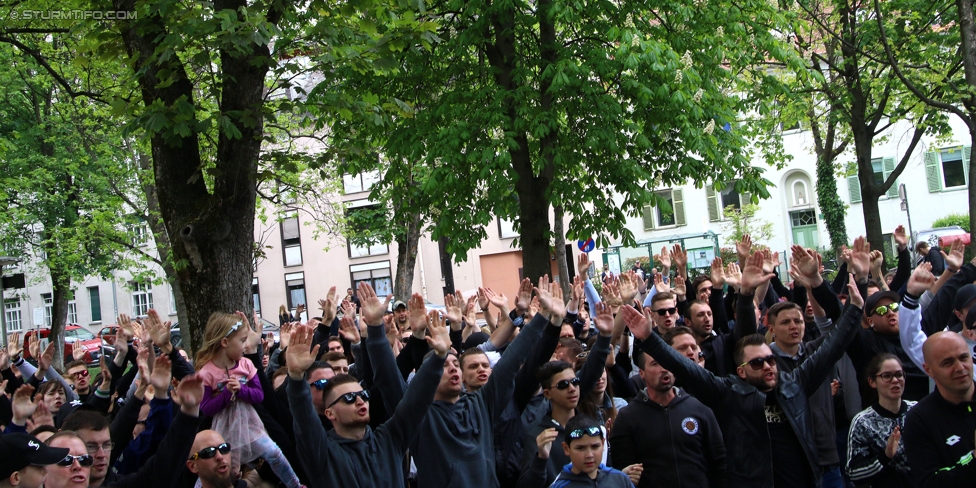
(210, 460)
(940, 432)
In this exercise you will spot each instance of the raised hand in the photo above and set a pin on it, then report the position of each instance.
(770, 261)
(348, 330)
(953, 260)
(106, 385)
(680, 258)
(807, 264)
(499, 300)
(78, 353)
(744, 248)
(611, 294)
(578, 293)
(158, 331)
(373, 309)
(348, 308)
(328, 306)
(634, 472)
(660, 285)
(284, 334)
(753, 274)
(603, 319)
(891, 447)
(299, 309)
(161, 376)
(46, 359)
(717, 273)
(190, 394)
(14, 346)
(877, 259)
(733, 276)
(854, 296)
(901, 237)
(34, 345)
(583, 265)
(21, 404)
(301, 354)
(42, 416)
(533, 308)
(628, 286)
(544, 442)
(922, 279)
(861, 258)
(638, 323)
(417, 314)
(452, 309)
(482, 299)
(439, 338)
(664, 258)
(253, 336)
(4, 363)
(679, 288)
(470, 313)
(524, 297)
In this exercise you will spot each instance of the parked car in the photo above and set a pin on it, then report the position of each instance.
(942, 236)
(176, 336)
(108, 334)
(74, 336)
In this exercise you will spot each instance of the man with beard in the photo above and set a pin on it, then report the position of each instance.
(672, 435)
(211, 461)
(765, 415)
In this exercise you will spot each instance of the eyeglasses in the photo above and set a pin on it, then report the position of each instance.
(664, 312)
(85, 460)
(591, 431)
(887, 376)
(233, 329)
(81, 374)
(350, 398)
(757, 363)
(93, 448)
(209, 452)
(582, 355)
(882, 310)
(563, 384)
(320, 384)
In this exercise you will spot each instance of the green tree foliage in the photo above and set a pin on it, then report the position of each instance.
(742, 221)
(960, 219)
(524, 106)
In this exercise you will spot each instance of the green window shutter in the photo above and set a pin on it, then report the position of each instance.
(966, 154)
(932, 171)
(711, 197)
(888, 166)
(648, 217)
(678, 203)
(854, 187)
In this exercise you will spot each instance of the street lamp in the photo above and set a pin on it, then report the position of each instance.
(903, 196)
(4, 261)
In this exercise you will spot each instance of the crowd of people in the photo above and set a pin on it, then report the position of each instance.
(727, 378)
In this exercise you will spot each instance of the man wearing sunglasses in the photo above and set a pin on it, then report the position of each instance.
(210, 461)
(23, 460)
(765, 413)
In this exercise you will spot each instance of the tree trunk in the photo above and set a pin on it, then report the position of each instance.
(559, 236)
(967, 30)
(831, 206)
(407, 246)
(61, 287)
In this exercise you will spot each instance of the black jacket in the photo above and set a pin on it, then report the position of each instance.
(740, 407)
(680, 445)
(938, 440)
(718, 349)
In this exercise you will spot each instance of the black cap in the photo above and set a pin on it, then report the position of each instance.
(872, 302)
(70, 408)
(19, 450)
(971, 317)
(965, 295)
(475, 340)
(397, 304)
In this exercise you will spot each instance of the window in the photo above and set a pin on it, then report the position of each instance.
(72, 312)
(377, 274)
(295, 286)
(142, 299)
(48, 300)
(291, 239)
(506, 229)
(95, 302)
(719, 200)
(11, 312)
(881, 168)
(800, 195)
(370, 250)
(172, 300)
(140, 234)
(670, 216)
(256, 295)
(359, 183)
(947, 168)
(362, 217)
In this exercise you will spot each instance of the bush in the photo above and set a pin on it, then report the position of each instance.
(962, 220)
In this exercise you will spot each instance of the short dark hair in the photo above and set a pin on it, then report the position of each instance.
(550, 369)
(470, 352)
(749, 340)
(317, 365)
(660, 297)
(339, 379)
(75, 364)
(334, 339)
(872, 283)
(675, 332)
(775, 310)
(697, 282)
(572, 344)
(921, 245)
(578, 422)
(333, 356)
(85, 419)
(695, 302)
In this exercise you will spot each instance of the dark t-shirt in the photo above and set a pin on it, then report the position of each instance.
(790, 466)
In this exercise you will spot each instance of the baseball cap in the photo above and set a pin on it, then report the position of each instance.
(475, 340)
(399, 303)
(19, 450)
(872, 302)
(971, 318)
(965, 295)
(70, 408)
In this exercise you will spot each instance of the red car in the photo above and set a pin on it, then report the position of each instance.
(108, 334)
(74, 336)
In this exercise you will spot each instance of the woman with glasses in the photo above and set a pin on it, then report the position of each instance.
(876, 455)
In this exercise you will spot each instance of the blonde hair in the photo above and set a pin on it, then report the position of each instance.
(219, 326)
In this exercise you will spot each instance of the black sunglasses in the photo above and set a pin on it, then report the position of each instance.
(85, 460)
(350, 398)
(757, 363)
(591, 431)
(666, 311)
(563, 384)
(320, 384)
(209, 452)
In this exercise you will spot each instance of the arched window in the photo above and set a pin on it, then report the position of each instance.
(801, 197)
